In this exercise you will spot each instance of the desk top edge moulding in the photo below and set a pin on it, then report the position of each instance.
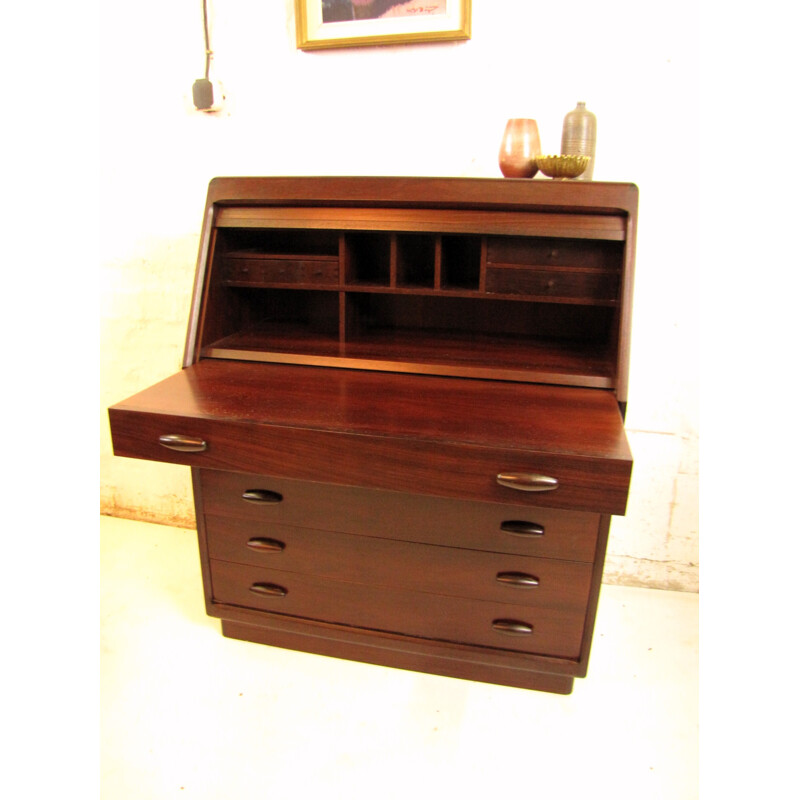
(402, 403)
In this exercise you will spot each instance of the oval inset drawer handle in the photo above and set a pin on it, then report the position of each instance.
(519, 527)
(512, 627)
(183, 444)
(270, 589)
(261, 496)
(520, 579)
(266, 545)
(527, 482)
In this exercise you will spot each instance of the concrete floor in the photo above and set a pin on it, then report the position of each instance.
(186, 713)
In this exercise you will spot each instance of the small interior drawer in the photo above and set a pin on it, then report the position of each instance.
(255, 270)
(527, 531)
(538, 582)
(555, 283)
(549, 251)
(547, 631)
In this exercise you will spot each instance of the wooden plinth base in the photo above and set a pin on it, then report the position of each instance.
(417, 662)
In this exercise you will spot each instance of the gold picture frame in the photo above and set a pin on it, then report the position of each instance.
(363, 23)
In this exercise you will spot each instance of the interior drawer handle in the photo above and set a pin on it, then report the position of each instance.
(261, 496)
(512, 627)
(521, 579)
(270, 589)
(266, 545)
(183, 444)
(527, 482)
(519, 527)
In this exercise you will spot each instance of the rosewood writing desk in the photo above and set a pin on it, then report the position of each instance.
(402, 403)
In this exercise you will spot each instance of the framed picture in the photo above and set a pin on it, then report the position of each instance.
(360, 23)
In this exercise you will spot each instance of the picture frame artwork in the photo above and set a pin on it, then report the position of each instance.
(362, 23)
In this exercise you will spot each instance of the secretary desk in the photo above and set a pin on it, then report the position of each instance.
(402, 404)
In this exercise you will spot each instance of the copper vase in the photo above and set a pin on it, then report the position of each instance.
(519, 149)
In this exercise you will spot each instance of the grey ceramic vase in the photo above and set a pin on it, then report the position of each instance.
(578, 137)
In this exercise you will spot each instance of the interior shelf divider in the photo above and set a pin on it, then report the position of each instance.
(482, 273)
(437, 264)
(393, 261)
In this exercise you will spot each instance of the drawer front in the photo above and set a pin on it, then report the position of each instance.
(406, 465)
(494, 527)
(273, 271)
(540, 582)
(544, 251)
(555, 632)
(573, 284)
(406, 433)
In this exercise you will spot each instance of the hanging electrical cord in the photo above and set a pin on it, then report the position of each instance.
(209, 53)
(207, 96)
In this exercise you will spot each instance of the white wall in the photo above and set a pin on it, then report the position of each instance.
(433, 109)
